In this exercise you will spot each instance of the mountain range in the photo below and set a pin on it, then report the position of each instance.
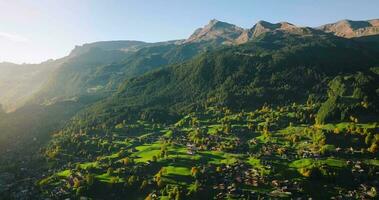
(120, 59)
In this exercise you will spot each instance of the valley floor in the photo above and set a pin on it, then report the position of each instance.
(218, 154)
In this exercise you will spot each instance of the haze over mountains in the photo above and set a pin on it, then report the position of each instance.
(19, 82)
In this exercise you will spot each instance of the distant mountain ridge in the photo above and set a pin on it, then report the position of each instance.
(121, 45)
(226, 33)
(125, 45)
(351, 29)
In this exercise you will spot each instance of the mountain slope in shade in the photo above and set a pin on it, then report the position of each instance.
(351, 29)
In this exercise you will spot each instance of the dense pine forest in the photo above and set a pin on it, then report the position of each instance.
(275, 111)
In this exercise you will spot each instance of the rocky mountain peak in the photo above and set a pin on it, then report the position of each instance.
(374, 22)
(263, 26)
(216, 30)
(214, 23)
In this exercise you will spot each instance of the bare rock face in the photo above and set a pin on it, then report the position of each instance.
(216, 30)
(229, 34)
(225, 33)
(351, 29)
(244, 37)
(263, 27)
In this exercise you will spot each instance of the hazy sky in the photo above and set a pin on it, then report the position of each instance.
(36, 30)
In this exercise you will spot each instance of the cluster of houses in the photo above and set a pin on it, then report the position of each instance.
(230, 178)
(191, 149)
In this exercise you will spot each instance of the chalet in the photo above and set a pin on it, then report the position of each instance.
(189, 152)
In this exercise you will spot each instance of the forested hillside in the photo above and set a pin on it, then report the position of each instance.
(275, 69)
